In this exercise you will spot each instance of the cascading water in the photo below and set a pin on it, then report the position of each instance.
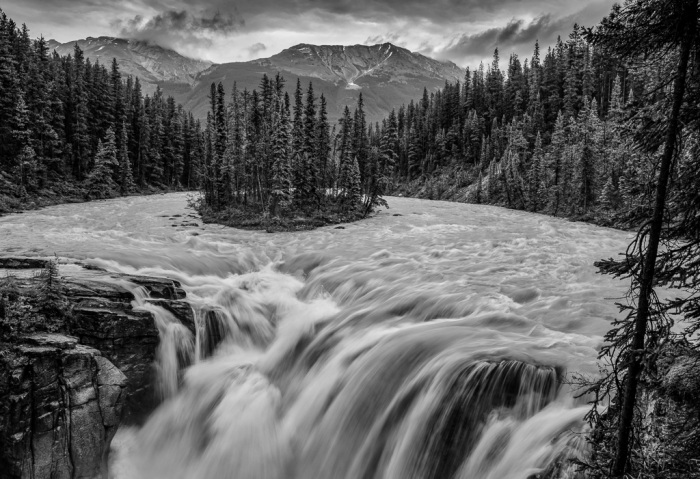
(176, 349)
(432, 345)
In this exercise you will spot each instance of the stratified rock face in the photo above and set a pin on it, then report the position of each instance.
(66, 382)
(104, 318)
(60, 404)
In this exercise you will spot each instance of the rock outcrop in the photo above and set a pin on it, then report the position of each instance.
(104, 318)
(65, 389)
(60, 406)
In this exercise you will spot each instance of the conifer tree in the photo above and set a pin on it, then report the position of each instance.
(280, 195)
(100, 182)
(323, 146)
(632, 30)
(536, 190)
(348, 168)
(126, 177)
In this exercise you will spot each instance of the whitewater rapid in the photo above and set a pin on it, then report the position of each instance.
(432, 340)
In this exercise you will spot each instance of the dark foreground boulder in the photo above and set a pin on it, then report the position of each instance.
(76, 360)
(60, 406)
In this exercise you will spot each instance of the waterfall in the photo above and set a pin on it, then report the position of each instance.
(176, 349)
(431, 341)
(282, 382)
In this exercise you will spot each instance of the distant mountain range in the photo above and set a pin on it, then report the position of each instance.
(387, 75)
(151, 63)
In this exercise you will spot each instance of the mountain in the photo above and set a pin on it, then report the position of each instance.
(358, 64)
(151, 63)
(386, 75)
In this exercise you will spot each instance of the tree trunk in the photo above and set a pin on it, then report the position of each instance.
(647, 280)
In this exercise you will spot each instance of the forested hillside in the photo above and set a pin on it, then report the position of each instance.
(71, 129)
(552, 134)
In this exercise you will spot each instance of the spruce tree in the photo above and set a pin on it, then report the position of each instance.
(630, 31)
(126, 178)
(536, 177)
(323, 147)
(99, 182)
(280, 195)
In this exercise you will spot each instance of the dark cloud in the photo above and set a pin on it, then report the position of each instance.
(514, 34)
(256, 48)
(517, 35)
(394, 38)
(175, 28)
(442, 11)
(459, 30)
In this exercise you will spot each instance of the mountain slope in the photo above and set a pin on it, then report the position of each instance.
(151, 63)
(386, 75)
(348, 65)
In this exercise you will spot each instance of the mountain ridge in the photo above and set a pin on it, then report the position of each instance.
(150, 62)
(386, 74)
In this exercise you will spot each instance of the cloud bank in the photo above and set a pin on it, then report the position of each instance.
(464, 31)
(179, 29)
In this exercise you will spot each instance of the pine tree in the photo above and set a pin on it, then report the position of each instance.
(307, 192)
(99, 182)
(323, 146)
(280, 196)
(556, 165)
(80, 140)
(348, 168)
(630, 31)
(126, 177)
(536, 177)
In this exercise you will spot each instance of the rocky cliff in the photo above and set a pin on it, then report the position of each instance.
(68, 380)
(60, 405)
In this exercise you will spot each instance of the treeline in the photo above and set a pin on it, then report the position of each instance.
(268, 156)
(545, 135)
(67, 121)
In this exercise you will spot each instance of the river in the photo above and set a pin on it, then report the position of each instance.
(433, 340)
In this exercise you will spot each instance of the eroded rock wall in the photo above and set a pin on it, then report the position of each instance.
(60, 406)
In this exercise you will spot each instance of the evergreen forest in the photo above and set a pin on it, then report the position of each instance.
(603, 126)
(270, 156)
(71, 129)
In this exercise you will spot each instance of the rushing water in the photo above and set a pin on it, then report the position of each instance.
(431, 341)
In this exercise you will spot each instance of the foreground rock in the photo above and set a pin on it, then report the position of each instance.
(71, 372)
(104, 318)
(60, 406)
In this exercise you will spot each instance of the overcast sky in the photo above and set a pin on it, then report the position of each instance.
(464, 31)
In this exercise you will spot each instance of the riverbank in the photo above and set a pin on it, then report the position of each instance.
(461, 186)
(60, 192)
